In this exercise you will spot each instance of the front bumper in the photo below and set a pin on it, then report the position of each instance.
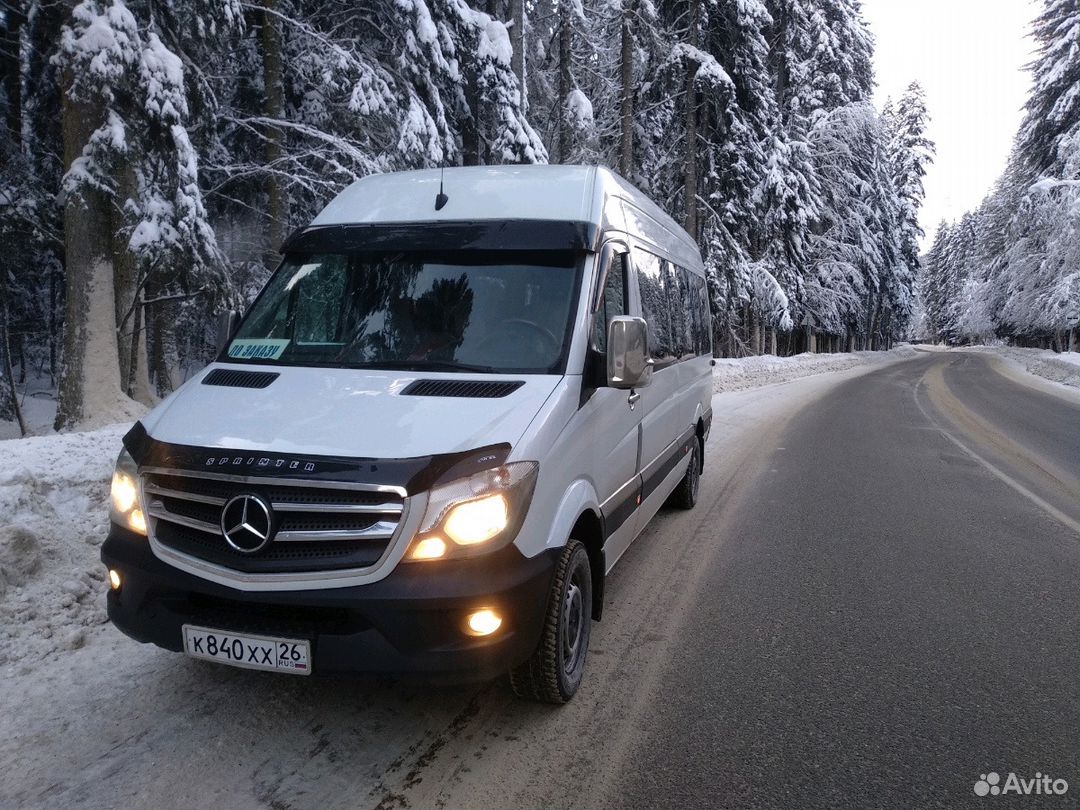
(409, 622)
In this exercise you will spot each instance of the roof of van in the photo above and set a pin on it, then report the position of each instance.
(559, 193)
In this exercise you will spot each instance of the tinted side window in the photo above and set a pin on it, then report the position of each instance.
(613, 300)
(654, 304)
(683, 311)
(703, 325)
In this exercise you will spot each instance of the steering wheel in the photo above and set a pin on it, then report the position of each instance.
(543, 331)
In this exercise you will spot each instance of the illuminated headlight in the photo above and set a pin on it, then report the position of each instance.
(126, 507)
(476, 521)
(475, 515)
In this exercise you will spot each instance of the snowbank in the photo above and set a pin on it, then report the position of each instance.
(1061, 368)
(54, 502)
(731, 374)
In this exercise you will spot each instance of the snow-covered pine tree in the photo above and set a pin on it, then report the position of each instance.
(910, 152)
(133, 199)
(1050, 132)
(742, 278)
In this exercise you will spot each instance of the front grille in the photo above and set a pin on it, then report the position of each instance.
(315, 528)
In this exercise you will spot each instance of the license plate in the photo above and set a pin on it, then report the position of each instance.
(253, 652)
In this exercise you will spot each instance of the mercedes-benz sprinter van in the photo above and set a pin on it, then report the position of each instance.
(433, 434)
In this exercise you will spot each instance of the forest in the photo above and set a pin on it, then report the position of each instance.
(155, 153)
(1011, 268)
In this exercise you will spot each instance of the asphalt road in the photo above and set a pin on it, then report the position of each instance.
(889, 617)
(876, 600)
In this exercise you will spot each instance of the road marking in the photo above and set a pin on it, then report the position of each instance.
(996, 471)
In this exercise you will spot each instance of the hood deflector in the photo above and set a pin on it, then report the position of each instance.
(413, 474)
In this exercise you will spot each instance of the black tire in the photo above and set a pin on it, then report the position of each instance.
(685, 495)
(555, 670)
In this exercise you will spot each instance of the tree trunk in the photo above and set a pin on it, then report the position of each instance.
(277, 195)
(126, 276)
(517, 59)
(90, 372)
(11, 70)
(156, 336)
(52, 326)
(565, 50)
(690, 160)
(626, 91)
(5, 349)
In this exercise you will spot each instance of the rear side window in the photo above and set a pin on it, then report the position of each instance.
(703, 318)
(683, 309)
(650, 271)
(613, 300)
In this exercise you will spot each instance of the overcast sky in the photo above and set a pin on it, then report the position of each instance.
(969, 57)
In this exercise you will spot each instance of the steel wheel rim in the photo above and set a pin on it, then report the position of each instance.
(695, 477)
(573, 624)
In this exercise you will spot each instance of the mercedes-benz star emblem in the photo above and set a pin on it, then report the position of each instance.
(247, 523)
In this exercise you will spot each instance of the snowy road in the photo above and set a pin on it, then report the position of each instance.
(876, 600)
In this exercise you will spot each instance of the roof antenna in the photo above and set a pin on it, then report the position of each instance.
(440, 198)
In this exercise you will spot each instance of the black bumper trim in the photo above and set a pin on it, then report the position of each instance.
(409, 622)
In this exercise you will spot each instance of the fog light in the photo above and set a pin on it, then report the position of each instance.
(430, 548)
(114, 579)
(484, 622)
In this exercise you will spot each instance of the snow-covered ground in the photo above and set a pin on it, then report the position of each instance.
(732, 374)
(54, 501)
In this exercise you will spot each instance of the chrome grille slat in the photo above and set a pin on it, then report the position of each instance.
(340, 508)
(321, 525)
(157, 510)
(377, 531)
(154, 489)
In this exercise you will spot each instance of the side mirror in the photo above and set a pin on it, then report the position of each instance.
(628, 361)
(227, 323)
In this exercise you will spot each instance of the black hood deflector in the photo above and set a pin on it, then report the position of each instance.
(413, 474)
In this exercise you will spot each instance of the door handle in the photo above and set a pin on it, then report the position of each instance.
(633, 398)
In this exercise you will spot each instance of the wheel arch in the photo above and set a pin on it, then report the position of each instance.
(579, 517)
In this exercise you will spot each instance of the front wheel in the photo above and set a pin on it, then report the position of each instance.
(554, 672)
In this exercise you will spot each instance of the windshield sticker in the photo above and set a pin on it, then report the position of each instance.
(263, 349)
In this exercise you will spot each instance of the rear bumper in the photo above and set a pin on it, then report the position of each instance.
(410, 622)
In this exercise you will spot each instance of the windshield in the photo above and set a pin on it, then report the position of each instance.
(482, 312)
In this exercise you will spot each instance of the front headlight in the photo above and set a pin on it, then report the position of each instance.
(475, 515)
(127, 509)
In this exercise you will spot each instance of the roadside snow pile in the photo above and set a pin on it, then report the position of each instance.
(735, 374)
(54, 511)
(1061, 368)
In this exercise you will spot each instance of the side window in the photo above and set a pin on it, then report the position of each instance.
(612, 301)
(654, 304)
(703, 330)
(682, 311)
